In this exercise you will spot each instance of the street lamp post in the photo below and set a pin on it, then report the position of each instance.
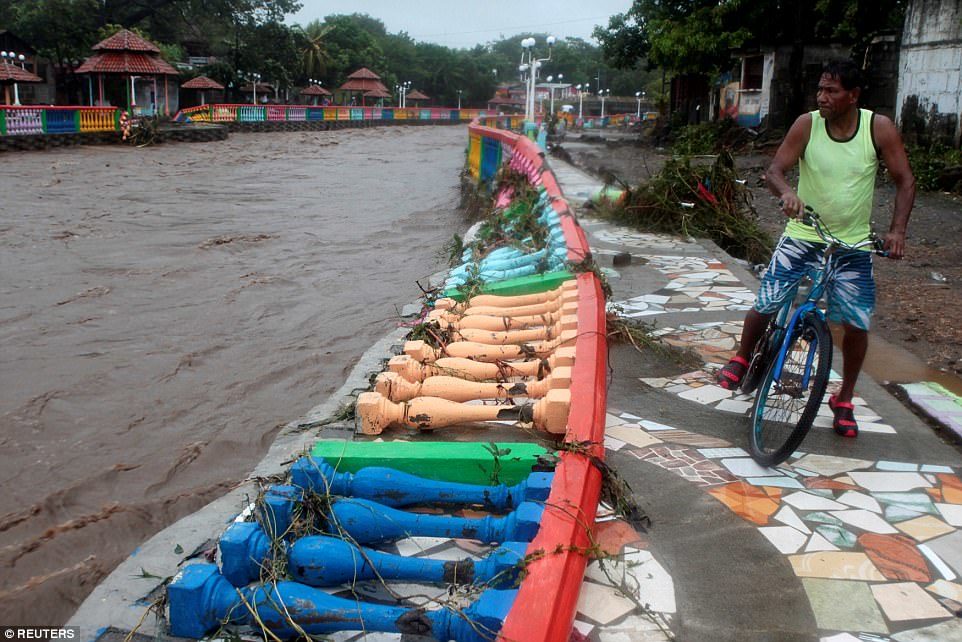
(531, 64)
(638, 111)
(603, 94)
(13, 59)
(254, 78)
(551, 88)
(459, 98)
(581, 96)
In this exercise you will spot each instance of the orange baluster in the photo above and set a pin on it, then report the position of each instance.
(519, 336)
(397, 388)
(484, 352)
(413, 370)
(493, 323)
(524, 310)
(427, 413)
(510, 301)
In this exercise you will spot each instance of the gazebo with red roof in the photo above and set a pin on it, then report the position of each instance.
(379, 94)
(315, 91)
(127, 56)
(361, 82)
(415, 95)
(202, 84)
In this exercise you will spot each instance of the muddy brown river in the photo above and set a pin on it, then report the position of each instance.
(163, 311)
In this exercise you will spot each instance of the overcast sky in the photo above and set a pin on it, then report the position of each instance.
(455, 23)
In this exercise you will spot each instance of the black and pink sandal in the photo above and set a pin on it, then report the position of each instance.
(730, 377)
(844, 423)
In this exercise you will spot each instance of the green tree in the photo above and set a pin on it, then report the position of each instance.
(315, 56)
(698, 36)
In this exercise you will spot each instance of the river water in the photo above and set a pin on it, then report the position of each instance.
(163, 311)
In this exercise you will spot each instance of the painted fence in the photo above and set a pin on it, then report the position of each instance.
(548, 596)
(36, 119)
(229, 113)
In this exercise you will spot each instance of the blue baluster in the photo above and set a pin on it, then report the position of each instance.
(276, 512)
(201, 599)
(318, 560)
(368, 523)
(244, 549)
(394, 488)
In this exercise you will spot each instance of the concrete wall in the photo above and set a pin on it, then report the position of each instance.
(930, 67)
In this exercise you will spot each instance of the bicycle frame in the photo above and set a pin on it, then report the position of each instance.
(810, 305)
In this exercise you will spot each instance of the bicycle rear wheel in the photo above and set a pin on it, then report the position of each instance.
(786, 405)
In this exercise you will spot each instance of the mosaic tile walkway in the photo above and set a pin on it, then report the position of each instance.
(698, 284)
(628, 596)
(635, 240)
(716, 342)
(877, 545)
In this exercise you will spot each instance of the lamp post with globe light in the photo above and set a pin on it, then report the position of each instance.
(603, 94)
(531, 65)
(10, 58)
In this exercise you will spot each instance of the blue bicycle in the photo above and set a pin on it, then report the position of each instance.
(791, 362)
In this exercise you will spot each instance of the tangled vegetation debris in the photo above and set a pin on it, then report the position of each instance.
(700, 199)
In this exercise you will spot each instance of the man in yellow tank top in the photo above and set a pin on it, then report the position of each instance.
(837, 148)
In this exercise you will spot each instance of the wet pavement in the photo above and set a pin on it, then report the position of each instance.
(849, 540)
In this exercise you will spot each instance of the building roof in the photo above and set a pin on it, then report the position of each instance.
(126, 62)
(126, 40)
(377, 93)
(417, 95)
(364, 74)
(14, 73)
(315, 90)
(202, 82)
(362, 85)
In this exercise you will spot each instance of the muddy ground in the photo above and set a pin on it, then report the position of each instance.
(917, 297)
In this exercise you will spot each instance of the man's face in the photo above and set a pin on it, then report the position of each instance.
(833, 99)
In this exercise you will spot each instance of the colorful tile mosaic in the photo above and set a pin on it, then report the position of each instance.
(699, 386)
(837, 527)
(643, 240)
(627, 592)
(697, 284)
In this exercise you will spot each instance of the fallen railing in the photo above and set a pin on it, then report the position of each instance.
(547, 598)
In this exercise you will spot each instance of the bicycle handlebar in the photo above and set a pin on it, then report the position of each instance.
(810, 217)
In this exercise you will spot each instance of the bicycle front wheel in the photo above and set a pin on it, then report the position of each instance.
(788, 401)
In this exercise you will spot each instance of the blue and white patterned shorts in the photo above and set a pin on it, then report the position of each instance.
(850, 284)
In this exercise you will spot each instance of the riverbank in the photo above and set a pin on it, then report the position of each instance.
(917, 296)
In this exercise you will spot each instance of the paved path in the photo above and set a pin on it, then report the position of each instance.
(849, 540)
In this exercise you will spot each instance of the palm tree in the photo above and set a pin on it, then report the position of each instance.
(314, 56)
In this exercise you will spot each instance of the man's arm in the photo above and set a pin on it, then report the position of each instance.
(893, 153)
(787, 155)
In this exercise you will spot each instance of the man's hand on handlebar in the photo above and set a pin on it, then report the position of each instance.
(894, 244)
(791, 205)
